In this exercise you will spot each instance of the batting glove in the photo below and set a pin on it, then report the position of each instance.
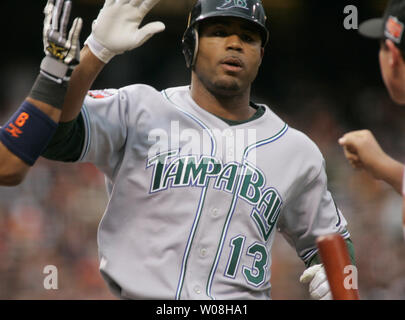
(116, 29)
(62, 53)
(318, 282)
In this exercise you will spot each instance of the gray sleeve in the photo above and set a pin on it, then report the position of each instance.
(105, 122)
(310, 214)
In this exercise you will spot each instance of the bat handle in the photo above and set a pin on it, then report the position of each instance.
(342, 275)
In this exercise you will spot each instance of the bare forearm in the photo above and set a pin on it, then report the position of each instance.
(12, 168)
(80, 83)
(392, 172)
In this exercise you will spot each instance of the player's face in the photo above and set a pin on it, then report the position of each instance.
(384, 65)
(229, 56)
(393, 78)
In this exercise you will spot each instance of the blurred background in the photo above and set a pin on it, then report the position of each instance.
(318, 76)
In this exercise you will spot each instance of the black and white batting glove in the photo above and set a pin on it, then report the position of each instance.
(62, 50)
(117, 28)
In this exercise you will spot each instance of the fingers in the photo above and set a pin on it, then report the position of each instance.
(348, 140)
(65, 19)
(309, 273)
(153, 28)
(117, 28)
(48, 17)
(144, 5)
(58, 30)
(322, 292)
(56, 14)
(351, 142)
(357, 139)
(359, 147)
(318, 279)
(349, 148)
(318, 283)
(108, 3)
(327, 296)
(49, 7)
(352, 156)
(74, 33)
(148, 31)
(73, 40)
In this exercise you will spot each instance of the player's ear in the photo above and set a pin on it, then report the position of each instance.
(394, 53)
(261, 56)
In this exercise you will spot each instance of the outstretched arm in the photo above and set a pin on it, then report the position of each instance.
(29, 130)
(81, 81)
(363, 152)
(115, 31)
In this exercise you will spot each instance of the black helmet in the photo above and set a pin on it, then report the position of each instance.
(251, 10)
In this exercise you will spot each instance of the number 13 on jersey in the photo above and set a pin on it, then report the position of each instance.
(256, 273)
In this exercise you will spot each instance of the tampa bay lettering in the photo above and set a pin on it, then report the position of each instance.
(171, 170)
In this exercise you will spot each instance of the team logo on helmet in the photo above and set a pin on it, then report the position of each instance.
(229, 4)
(394, 29)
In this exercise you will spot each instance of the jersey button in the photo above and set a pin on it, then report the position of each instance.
(228, 134)
(215, 212)
(203, 253)
(197, 289)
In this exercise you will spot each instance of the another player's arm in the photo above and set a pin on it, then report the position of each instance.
(12, 168)
(115, 31)
(29, 130)
(363, 152)
(67, 143)
(81, 81)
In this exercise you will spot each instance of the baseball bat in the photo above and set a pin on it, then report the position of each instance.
(335, 258)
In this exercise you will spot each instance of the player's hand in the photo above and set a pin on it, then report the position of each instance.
(363, 152)
(318, 282)
(62, 51)
(116, 29)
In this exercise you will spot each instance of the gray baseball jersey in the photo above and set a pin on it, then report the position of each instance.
(194, 203)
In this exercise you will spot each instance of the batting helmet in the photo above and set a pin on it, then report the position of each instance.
(250, 10)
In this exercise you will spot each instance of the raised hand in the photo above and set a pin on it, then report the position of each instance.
(117, 28)
(62, 50)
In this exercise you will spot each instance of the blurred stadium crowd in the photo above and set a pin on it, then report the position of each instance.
(52, 218)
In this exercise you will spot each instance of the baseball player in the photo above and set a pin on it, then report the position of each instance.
(360, 147)
(199, 177)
